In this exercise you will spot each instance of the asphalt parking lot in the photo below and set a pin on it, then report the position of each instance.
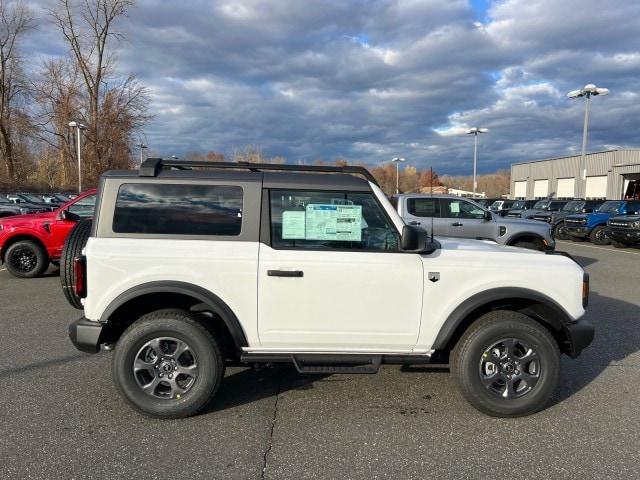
(61, 417)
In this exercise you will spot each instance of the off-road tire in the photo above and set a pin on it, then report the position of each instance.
(488, 329)
(559, 232)
(73, 245)
(177, 324)
(37, 258)
(598, 237)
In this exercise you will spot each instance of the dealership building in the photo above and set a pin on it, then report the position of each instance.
(613, 174)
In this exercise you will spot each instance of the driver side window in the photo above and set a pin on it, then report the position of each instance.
(84, 208)
(318, 220)
(455, 208)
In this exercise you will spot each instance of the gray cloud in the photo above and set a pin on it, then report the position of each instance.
(369, 79)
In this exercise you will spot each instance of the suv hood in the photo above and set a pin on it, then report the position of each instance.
(525, 223)
(469, 245)
(28, 219)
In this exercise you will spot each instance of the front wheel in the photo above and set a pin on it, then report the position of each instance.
(506, 364)
(167, 365)
(530, 245)
(26, 259)
(598, 236)
(560, 232)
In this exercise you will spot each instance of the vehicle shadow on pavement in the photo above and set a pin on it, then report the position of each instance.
(584, 261)
(250, 385)
(617, 337)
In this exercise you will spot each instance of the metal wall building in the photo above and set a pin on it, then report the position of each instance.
(612, 174)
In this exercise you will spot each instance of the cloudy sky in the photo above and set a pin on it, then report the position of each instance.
(368, 80)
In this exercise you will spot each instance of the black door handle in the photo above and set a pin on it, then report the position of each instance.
(285, 273)
(456, 224)
(414, 223)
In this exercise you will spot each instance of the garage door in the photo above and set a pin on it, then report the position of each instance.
(540, 188)
(596, 187)
(566, 187)
(520, 189)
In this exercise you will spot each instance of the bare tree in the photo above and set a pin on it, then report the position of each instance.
(15, 21)
(112, 108)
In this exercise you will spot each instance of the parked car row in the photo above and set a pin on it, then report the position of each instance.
(30, 241)
(20, 203)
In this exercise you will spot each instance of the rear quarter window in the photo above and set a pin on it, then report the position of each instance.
(178, 209)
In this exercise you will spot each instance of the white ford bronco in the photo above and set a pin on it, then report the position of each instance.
(190, 266)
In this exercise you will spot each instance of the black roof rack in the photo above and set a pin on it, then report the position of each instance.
(151, 166)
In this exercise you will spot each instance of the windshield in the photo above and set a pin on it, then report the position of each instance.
(609, 207)
(573, 207)
(30, 198)
(496, 205)
(519, 204)
(61, 198)
(4, 200)
(542, 204)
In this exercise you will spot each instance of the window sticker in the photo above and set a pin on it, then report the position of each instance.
(333, 222)
(454, 207)
(293, 225)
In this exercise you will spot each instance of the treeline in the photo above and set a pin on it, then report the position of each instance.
(411, 179)
(38, 98)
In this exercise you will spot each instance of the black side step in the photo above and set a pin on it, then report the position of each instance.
(337, 363)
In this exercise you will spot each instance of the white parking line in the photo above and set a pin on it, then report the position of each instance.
(2, 269)
(617, 250)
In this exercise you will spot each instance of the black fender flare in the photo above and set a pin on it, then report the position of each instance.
(521, 235)
(209, 301)
(559, 321)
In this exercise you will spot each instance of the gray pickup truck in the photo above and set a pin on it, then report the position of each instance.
(461, 217)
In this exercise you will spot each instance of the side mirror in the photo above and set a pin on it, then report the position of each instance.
(70, 216)
(416, 240)
(487, 215)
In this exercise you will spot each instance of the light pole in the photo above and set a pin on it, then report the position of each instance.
(78, 126)
(397, 161)
(475, 131)
(143, 147)
(588, 91)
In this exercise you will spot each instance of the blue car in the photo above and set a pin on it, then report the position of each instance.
(593, 226)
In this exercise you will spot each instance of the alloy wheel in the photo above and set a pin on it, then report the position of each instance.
(165, 368)
(509, 368)
(23, 259)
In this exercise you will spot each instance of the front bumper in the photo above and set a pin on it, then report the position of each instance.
(579, 336)
(85, 335)
(629, 236)
(581, 232)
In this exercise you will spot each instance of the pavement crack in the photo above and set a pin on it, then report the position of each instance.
(265, 455)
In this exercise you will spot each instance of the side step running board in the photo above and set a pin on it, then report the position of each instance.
(337, 363)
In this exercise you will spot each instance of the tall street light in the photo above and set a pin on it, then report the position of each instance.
(143, 147)
(78, 126)
(588, 91)
(397, 161)
(475, 131)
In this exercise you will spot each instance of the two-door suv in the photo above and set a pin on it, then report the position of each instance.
(187, 268)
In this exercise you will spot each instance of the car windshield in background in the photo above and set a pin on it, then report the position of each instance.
(30, 198)
(609, 207)
(496, 205)
(4, 200)
(542, 204)
(61, 198)
(573, 207)
(519, 204)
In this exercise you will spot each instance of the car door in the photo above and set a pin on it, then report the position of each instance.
(465, 219)
(331, 276)
(60, 228)
(425, 212)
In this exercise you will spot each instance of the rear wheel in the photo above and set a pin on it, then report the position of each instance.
(73, 246)
(598, 236)
(167, 365)
(560, 232)
(26, 259)
(506, 364)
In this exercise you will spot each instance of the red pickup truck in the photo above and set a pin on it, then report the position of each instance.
(28, 243)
